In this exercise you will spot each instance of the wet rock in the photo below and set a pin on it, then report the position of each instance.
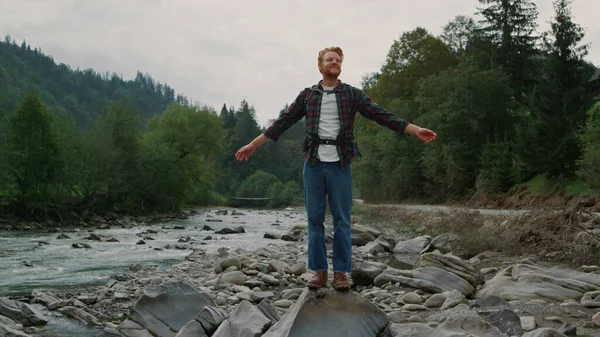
(21, 312)
(331, 313)
(167, 308)
(80, 245)
(79, 314)
(228, 230)
(133, 329)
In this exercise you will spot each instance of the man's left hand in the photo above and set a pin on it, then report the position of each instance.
(426, 135)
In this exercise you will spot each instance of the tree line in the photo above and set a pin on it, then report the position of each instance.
(510, 107)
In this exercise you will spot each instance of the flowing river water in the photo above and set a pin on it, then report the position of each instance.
(39, 260)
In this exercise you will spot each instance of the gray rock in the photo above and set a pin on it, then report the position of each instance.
(507, 321)
(544, 332)
(210, 318)
(8, 331)
(525, 282)
(269, 310)
(245, 321)
(463, 269)
(364, 273)
(167, 308)
(230, 262)
(436, 300)
(234, 277)
(528, 323)
(192, 329)
(331, 313)
(133, 329)
(412, 246)
(453, 298)
(465, 325)
(21, 312)
(298, 268)
(79, 314)
(411, 329)
(228, 230)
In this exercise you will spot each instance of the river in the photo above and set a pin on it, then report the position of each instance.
(39, 260)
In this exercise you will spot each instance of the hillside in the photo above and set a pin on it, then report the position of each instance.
(82, 93)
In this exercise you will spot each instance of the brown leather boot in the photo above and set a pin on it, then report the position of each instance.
(340, 281)
(318, 280)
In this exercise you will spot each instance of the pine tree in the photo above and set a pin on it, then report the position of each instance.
(510, 25)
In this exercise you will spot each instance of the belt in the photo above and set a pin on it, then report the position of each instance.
(329, 142)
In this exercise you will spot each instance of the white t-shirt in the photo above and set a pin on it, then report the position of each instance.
(329, 125)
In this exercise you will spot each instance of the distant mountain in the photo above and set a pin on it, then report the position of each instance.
(81, 93)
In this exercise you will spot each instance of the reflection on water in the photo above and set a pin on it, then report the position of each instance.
(41, 261)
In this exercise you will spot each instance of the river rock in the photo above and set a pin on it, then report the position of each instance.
(233, 277)
(234, 230)
(454, 265)
(21, 312)
(193, 328)
(412, 246)
(132, 329)
(9, 331)
(165, 309)
(364, 273)
(79, 314)
(506, 321)
(464, 325)
(210, 318)
(328, 312)
(544, 332)
(245, 320)
(525, 282)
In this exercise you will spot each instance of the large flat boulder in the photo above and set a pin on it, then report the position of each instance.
(526, 282)
(164, 310)
(21, 312)
(331, 313)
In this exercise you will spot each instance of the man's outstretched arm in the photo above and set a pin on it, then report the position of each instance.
(294, 113)
(374, 112)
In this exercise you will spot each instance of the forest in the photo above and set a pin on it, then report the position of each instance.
(513, 105)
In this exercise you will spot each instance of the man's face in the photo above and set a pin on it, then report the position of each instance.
(331, 64)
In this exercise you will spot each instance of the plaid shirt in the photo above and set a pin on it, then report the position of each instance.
(349, 100)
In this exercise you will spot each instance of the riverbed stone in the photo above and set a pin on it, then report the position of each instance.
(21, 312)
(245, 320)
(165, 309)
(525, 281)
(327, 312)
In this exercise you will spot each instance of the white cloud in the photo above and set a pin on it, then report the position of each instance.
(224, 51)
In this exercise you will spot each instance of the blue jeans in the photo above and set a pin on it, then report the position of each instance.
(331, 180)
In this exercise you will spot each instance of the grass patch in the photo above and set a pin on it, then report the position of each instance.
(578, 189)
(542, 186)
(299, 228)
(407, 228)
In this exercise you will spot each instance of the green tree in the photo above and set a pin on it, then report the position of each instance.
(510, 25)
(560, 109)
(179, 158)
(457, 33)
(32, 150)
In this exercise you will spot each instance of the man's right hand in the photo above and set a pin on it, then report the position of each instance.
(245, 152)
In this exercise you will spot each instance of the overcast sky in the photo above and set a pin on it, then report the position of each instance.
(224, 51)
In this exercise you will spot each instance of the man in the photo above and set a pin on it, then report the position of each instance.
(329, 108)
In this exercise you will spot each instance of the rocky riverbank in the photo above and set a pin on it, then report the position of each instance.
(236, 292)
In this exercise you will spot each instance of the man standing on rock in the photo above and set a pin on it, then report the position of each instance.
(330, 107)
